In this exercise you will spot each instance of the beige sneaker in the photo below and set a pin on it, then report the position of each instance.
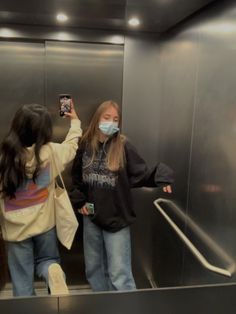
(56, 280)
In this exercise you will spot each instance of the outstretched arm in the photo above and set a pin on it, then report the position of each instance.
(140, 175)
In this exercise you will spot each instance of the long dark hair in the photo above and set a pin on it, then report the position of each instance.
(31, 125)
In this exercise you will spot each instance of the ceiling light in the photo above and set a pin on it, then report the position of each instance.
(61, 17)
(134, 21)
(63, 36)
(118, 40)
(6, 32)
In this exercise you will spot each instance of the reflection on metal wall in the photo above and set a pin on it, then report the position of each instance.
(212, 200)
(21, 82)
(178, 107)
(215, 299)
(198, 134)
(178, 97)
(141, 99)
(22, 78)
(38, 73)
(190, 76)
(91, 73)
(160, 93)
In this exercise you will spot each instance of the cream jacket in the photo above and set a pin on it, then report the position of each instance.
(32, 211)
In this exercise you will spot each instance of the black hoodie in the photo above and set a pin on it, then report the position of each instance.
(109, 191)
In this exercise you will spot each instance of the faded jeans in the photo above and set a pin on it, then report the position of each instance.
(107, 258)
(35, 254)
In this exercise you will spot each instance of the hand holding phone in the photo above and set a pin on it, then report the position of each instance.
(66, 108)
(87, 209)
(90, 208)
(65, 103)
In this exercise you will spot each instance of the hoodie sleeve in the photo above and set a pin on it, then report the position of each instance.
(65, 152)
(140, 175)
(77, 192)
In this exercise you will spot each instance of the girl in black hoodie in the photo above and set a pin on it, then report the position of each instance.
(105, 168)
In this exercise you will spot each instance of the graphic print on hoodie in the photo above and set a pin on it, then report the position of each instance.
(96, 174)
(31, 193)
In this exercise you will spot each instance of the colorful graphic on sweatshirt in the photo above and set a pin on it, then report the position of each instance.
(31, 193)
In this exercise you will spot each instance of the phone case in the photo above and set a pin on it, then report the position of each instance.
(90, 208)
(65, 104)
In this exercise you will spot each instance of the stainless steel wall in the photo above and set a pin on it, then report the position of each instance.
(212, 173)
(91, 73)
(144, 89)
(22, 77)
(21, 81)
(38, 73)
(141, 93)
(215, 299)
(188, 82)
(178, 107)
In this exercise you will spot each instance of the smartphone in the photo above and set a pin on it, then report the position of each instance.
(64, 104)
(90, 208)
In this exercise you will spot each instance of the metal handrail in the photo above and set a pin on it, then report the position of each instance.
(188, 243)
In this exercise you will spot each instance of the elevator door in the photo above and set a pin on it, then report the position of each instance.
(21, 82)
(91, 73)
(38, 73)
(21, 79)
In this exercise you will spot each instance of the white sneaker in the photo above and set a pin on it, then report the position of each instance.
(56, 280)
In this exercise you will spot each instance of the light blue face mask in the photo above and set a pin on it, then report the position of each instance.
(108, 127)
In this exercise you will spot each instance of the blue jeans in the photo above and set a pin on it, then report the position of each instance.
(35, 254)
(107, 258)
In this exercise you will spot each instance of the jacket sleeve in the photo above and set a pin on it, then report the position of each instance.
(77, 192)
(65, 151)
(140, 175)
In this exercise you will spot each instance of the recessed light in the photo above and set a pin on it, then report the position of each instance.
(63, 36)
(118, 40)
(61, 17)
(134, 21)
(6, 32)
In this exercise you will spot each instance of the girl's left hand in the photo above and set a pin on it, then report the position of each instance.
(167, 189)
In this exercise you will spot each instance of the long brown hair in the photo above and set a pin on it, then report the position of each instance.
(115, 155)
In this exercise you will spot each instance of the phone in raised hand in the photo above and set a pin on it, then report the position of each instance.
(65, 102)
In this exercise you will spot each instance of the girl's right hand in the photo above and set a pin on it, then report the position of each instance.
(167, 189)
(83, 211)
(72, 114)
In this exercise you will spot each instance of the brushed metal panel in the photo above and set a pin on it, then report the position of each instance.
(35, 74)
(42, 33)
(178, 91)
(91, 73)
(159, 91)
(209, 299)
(36, 305)
(22, 78)
(215, 299)
(212, 178)
(21, 82)
(141, 105)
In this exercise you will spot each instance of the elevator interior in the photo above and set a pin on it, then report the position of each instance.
(174, 77)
